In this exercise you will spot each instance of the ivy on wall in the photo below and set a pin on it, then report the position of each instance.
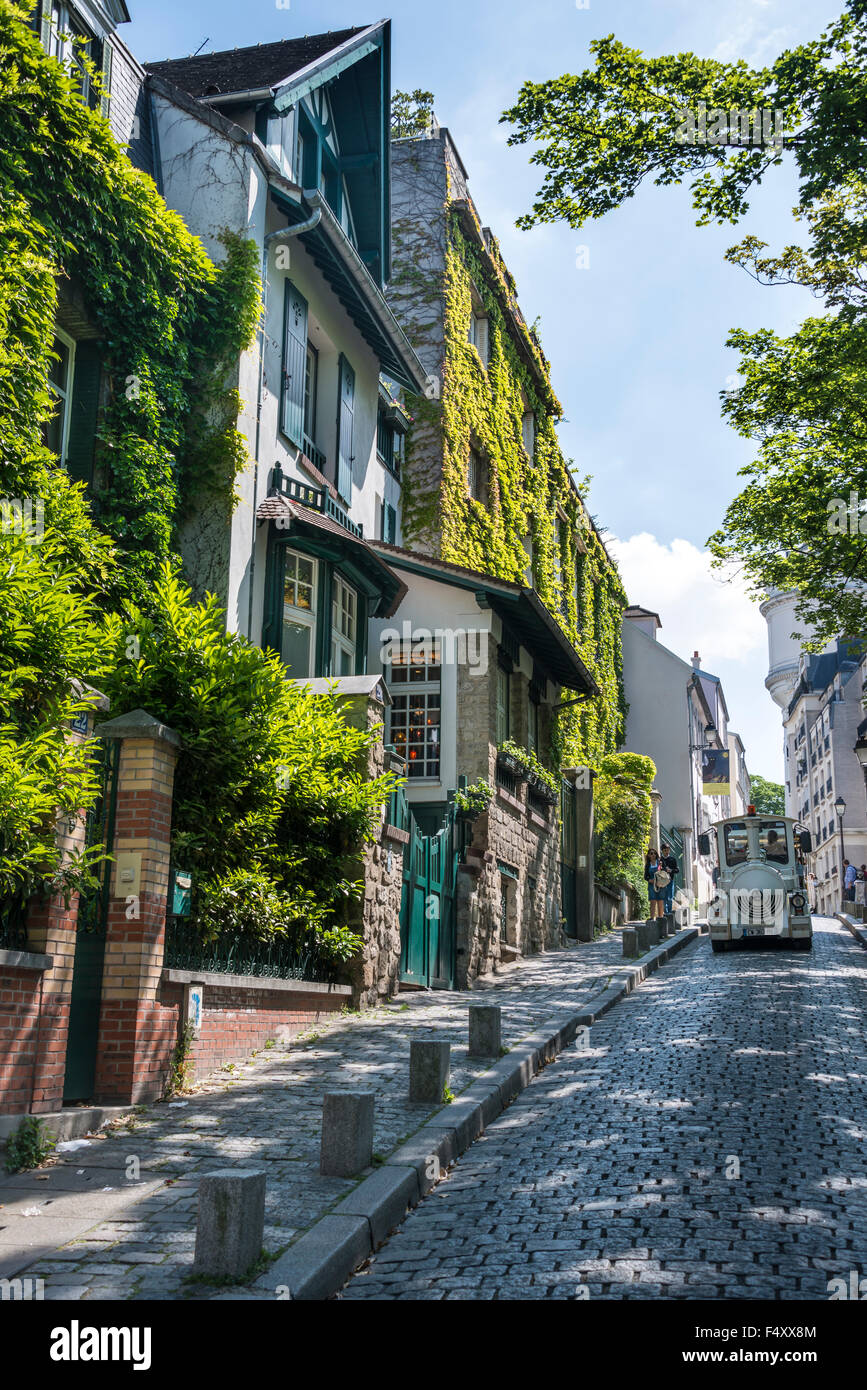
(482, 407)
(169, 321)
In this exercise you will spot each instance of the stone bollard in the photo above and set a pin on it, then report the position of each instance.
(670, 924)
(652, 932)
(642, 936)
(630, 941)
(428, 1069)
(484, 1030)
(231, 1222)
(346, 1145)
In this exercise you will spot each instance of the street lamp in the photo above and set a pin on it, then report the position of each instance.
(840, 808)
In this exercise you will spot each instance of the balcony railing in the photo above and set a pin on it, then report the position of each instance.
(318, 499)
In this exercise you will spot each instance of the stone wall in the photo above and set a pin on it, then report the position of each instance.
(510, 833)
(376, 918)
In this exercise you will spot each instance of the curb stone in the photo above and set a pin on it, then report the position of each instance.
(856, 928)
(321, 1261)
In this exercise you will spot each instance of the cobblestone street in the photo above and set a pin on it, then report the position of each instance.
(120, 1243)
(615, 1171)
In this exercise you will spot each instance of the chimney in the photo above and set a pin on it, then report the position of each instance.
(696, 661)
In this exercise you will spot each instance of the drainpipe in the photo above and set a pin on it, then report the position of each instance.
(283, 234)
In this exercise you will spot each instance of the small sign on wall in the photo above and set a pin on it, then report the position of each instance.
(194, 1003)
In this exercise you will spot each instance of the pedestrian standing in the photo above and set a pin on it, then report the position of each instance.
(657, 882)
(850, 873)
(669, 864)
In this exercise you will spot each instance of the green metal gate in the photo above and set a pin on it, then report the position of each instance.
(427, 905)
(90, 934)
(568, 881)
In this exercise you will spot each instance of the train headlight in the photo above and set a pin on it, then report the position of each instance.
(798, 904)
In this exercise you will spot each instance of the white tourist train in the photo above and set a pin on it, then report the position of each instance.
(760, 881)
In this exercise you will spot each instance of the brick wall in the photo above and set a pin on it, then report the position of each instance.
(20, 1057)
(235, 1021)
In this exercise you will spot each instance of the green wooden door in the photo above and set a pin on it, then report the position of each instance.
(427, 906)
(86, 993)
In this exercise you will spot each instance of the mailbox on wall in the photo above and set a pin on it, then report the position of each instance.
(180, 887)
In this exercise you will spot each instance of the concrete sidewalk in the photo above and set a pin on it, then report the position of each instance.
(115, 1217)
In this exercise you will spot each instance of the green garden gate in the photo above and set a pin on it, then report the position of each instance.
(427, 903)
(90, 935)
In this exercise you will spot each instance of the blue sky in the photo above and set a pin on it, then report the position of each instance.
(636, 341)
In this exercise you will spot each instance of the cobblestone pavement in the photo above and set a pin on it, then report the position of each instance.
(612, 1174)
(266, 1113)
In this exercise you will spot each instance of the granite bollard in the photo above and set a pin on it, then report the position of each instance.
(485, 1022)
(346, 1145)
(630, 941)
(231, 1222)
(429, 1062)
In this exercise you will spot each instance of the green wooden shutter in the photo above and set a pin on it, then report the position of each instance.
(105, 95)
(294, 364)
(345, 424)
(87, 372)
(389, 524)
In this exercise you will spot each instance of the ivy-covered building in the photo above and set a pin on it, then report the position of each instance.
(495, 540)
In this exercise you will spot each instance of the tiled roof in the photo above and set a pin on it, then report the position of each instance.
(244, 69)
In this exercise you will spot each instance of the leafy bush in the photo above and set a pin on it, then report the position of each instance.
(623, 815)
(272, 797)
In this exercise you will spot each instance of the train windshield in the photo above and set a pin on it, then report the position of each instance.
(737, 842)
(772, 839)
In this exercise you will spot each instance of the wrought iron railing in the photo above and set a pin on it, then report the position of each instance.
(508, 781)
(318, 499)
(297, 959)
(13, 925)
(312, 454)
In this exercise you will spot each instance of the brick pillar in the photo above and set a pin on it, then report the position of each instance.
(136, 1034)
(51, 924)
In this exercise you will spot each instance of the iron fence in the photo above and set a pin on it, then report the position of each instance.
(240, 954)
(13, 925)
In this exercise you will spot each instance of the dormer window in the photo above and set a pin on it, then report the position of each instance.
(65, 36)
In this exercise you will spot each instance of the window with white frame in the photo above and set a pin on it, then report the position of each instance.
(477, 331)
(67, 38)
(415, 716)
(299, 612)
(344, 624)
(60, 373)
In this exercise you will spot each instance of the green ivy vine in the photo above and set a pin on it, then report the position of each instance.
(482, 406)
(170, 321)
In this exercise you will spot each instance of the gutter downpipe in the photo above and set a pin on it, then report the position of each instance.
(282, 234)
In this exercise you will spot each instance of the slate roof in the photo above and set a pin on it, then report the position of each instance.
(244, 69)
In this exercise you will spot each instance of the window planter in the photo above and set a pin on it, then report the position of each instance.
(509, 763)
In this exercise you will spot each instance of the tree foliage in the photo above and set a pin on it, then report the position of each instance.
(769, 798)
(601, 134)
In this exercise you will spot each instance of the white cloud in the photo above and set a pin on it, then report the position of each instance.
(699, 610)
